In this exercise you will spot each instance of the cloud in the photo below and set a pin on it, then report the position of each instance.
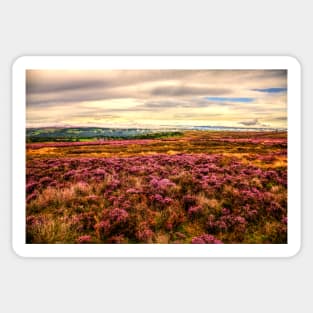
(271, 90)
(179, 104)
(198, 116)
(270, 74)
(153, 96)
(52, 87)
(175, 91)
(50, 81)
(280, 118)
(250, 122)
(35, 87)
(162, 105)
(165, 104)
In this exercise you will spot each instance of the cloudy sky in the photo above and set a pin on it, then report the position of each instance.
(153, 98)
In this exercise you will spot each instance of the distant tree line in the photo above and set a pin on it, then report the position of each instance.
(52, 137)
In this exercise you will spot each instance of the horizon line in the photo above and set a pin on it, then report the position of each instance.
(156, 127)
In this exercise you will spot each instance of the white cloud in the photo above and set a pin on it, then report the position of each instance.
(153, 96)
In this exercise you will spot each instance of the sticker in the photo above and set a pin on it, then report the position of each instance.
(156, 156)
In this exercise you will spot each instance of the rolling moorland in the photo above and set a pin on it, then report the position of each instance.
(162, 186)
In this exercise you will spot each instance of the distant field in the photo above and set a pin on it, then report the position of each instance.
(83, 134)
(171, 187)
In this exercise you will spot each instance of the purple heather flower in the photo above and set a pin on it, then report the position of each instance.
(225, 211)
(84, 239)
(206, 239)
(118, 215)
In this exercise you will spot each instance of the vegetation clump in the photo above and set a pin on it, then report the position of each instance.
(200, 188)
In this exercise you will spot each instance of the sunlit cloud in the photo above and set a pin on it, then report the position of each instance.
(143, 98)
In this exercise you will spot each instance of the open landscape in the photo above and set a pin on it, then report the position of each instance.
(187, 187)
(156, 157)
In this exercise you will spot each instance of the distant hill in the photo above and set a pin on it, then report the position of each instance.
(230, 128)
(95, 133)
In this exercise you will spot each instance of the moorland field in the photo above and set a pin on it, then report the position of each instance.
(179, 187)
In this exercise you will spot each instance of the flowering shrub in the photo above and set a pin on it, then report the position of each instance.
(116, 239)
(118, 215)
(84, 239)
(189, 201)
(225, 211)
(232, 186)
(132, 190)
(205, 238)
(195, 211)
(167, 200)
(144, 233)
(84, 221)
(103, 229)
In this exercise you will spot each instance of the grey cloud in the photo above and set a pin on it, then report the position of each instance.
(250, 122)
(188, 91)
(282, 118)
(192, 103)
(49, 88)
(259, 75)
(83, 95)
(163, 104)
(271, 74)
(168, 104)
(40, 81)
(69, 93)
(188, 103)
(76, 96)
(35, 87)
(68, 98)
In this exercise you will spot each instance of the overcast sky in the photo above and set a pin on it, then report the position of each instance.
(152, 98)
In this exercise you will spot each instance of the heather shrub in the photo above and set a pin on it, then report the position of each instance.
(84, 239)
(117, 239)
(103, 230)
(205, 239)
(189, 201)
(123, 191)
(195, 211)
(144, 233)
(46, 229)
